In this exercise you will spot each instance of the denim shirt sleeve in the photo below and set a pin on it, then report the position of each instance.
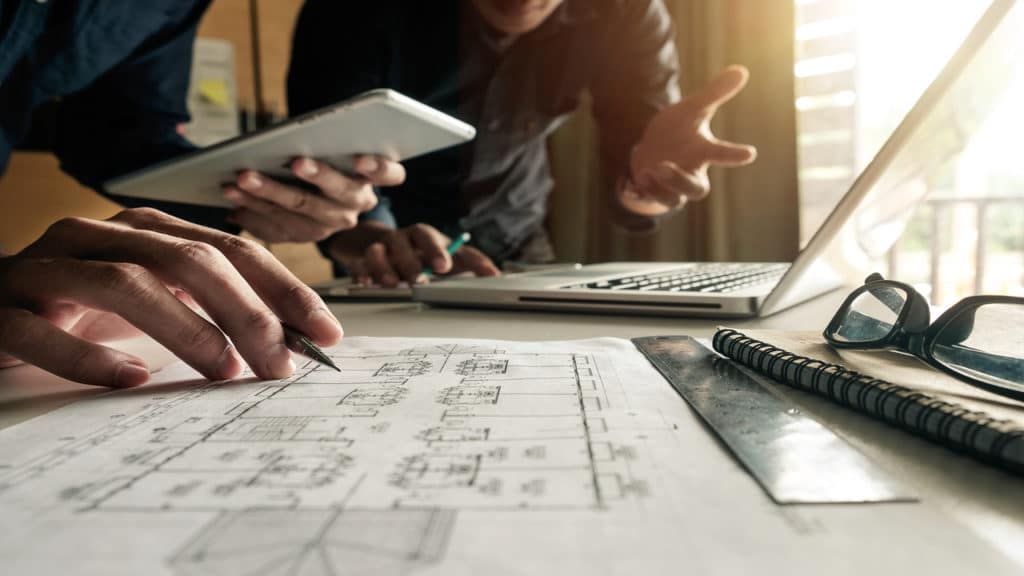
(381, 213)
(129, 117)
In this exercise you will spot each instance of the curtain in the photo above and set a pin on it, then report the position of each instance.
(752, 214)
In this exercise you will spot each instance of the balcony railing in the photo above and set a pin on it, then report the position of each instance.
(959, 258)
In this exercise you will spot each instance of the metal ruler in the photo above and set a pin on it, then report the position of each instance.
(794, 458)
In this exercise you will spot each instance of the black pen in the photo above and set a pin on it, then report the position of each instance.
(298, 342)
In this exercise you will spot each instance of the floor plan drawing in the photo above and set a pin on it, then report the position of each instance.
(420, 457)
(400, 438)
(319, 543)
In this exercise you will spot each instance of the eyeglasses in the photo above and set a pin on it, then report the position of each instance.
(980, 340)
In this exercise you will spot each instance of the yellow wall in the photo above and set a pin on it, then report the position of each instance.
(34, 193)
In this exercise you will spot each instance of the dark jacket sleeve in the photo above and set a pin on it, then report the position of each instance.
(129, 117)
(640, 77)
(339, 50)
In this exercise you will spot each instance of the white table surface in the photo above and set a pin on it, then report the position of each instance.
(987, 501)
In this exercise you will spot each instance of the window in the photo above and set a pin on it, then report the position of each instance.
(860, 66)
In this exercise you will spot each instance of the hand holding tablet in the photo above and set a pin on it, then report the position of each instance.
(309, 176)
(324, 201)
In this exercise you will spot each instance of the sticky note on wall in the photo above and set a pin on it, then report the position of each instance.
(215, 91)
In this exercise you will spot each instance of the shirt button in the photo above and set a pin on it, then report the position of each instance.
(494, 125)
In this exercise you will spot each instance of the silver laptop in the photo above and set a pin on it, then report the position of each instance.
(861, 229)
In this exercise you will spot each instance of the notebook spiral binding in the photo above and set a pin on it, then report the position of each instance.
(996, 442)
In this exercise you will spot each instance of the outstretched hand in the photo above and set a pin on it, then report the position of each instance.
(670, 165)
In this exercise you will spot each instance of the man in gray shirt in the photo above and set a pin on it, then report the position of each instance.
(516, 70)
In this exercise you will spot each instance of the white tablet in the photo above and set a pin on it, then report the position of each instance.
(382, 122)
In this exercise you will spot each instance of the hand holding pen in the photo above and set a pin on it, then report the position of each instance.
(451, 250)
(213, 299)
(300, 343)
(374, 253)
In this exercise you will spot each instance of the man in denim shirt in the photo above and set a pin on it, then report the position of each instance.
(118, 73)
(515, 69)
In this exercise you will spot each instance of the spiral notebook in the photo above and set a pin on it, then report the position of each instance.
(914, 397)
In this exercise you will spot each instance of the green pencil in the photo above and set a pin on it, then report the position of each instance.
(452, 249)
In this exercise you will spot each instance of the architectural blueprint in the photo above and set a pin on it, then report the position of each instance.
(424, 457)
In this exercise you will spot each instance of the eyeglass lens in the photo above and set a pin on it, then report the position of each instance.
(985, 343)
(871, 316)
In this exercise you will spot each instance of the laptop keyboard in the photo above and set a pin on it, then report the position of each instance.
(710, 278)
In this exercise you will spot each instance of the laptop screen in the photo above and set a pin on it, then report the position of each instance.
(873, 214)
(982, 77)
